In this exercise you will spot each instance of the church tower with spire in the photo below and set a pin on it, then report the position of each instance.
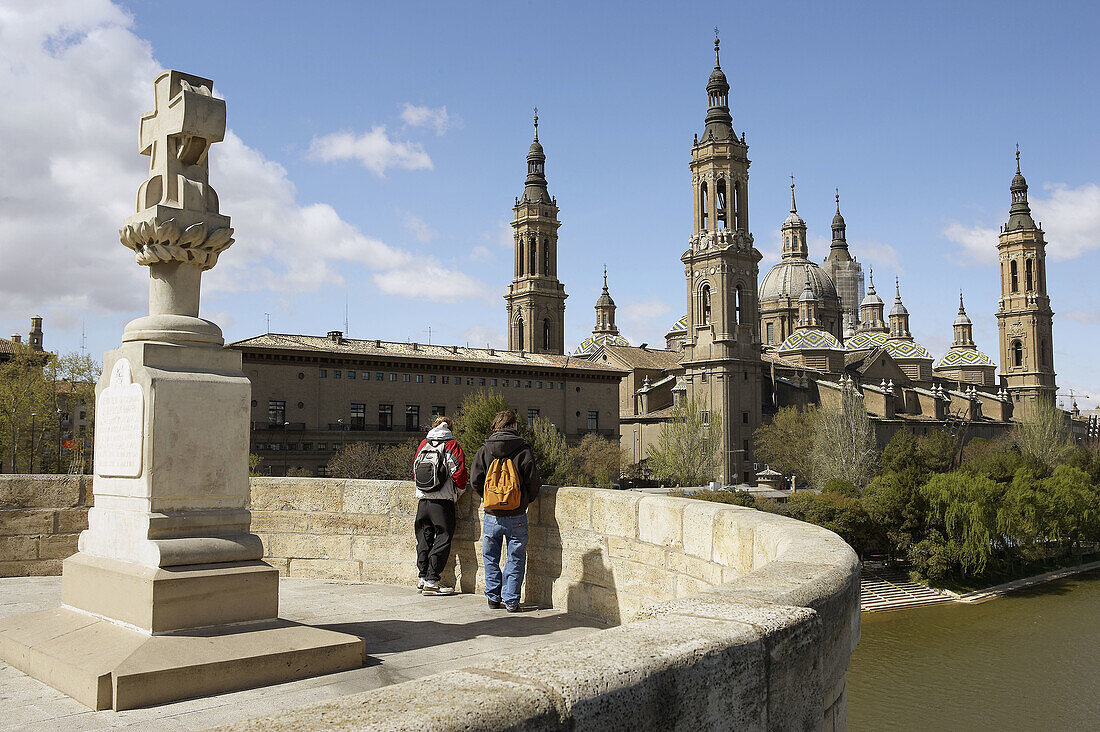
(1024, 317)
(844, 269)
(721, 356)
(536, 299)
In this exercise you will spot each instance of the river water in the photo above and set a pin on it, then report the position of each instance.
(1026, 661)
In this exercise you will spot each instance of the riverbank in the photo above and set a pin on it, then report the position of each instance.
(990, 593)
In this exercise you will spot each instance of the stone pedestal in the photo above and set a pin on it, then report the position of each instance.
(167, 597)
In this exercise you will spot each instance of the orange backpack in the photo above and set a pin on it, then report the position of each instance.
(502, 491)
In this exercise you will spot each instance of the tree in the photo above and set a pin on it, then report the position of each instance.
(964, 508)
(36, 388)
(374, 462)
(836, 512)
(786, 443)
(687, 446)
(556, 467)
(596, 461)
(1042, 433)
(843, 443)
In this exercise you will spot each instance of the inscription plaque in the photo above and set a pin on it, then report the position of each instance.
(120, 425)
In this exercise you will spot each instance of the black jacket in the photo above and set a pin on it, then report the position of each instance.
(508, 444)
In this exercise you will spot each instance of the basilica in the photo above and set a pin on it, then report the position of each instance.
(803, 332)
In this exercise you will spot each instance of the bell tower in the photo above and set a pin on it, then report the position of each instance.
(721, 267)
(536, 299)
(1024, 318)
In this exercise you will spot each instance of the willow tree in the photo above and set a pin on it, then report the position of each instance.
(687, 448)
(1042, 433)
(843, 443)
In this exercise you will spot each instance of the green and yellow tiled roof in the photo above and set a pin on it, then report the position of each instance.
(964, 357)
(865, 340)
(593, 342)
(810, 338)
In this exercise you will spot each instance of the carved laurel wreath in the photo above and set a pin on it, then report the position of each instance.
(154, 243)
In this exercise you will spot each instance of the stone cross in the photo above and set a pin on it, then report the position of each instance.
(177, 229)
(176, 136)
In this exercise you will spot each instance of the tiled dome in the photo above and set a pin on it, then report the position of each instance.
(861, 341)
(807, 338)
(906, 349)
(592, 343)
(964, 357)
(680, 326)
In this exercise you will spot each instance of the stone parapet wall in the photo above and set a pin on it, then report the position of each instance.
(41, 517)
(728, 617)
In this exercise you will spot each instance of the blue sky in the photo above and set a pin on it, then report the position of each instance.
(376, 151)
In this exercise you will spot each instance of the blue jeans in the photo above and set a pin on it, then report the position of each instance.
(495, 531)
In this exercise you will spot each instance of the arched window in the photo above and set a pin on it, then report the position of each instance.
(1039, 276)
(720, 204)
(534, 258)
(704, 301)
(519, 334)
(703, 206)
(1017, 353)
(737, 205)
(546, 335)
(546, 256)
(1015, 276)
(1029, 275)
(739, 311)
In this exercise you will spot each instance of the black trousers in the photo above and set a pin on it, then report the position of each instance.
(434, 527)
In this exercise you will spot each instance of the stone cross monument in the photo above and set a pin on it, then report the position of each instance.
(168, 597)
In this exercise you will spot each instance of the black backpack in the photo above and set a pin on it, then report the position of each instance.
(430, 469)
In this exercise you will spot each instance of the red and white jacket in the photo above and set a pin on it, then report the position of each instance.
(456, 461)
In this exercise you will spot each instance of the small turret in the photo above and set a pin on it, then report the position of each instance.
(899, 316)
(35, 339)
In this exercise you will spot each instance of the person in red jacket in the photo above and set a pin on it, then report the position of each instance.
(435, 513)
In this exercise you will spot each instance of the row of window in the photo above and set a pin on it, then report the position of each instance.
(1029, 274)
(357, 413)
(433, 379)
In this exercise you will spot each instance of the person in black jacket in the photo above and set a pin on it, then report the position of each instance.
(508, 527)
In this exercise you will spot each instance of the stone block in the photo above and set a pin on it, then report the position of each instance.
(685, 564)
(295, 494)
(641, 579)
(682, 674)
(26, 522)
(660, 521)
(685, 586)
(58, 546)
(637, 551)
(571, 510)
(71, 521)
(405, 525)
(592, 568)
(31, 568)
(279, 521)
(309, 546)
(372, 496)
(699, 528)
(367, 548)
(390, 572)
(45, 491)
(733, 538)
(348, 523)
(615, 513)
(457, 700)
(18, 548)
(346, 570)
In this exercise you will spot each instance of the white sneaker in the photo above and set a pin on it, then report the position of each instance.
(434, 588)
(420, 584)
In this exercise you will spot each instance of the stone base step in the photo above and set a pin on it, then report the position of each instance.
(104, 665)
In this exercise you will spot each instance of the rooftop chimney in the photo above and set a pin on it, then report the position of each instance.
(336, 336)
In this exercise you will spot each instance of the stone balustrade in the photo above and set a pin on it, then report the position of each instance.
(727, 617)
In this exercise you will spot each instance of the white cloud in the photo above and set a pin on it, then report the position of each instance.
(979, 243)
(481, 254)
(480, 336)
(418, 226)
(427, 280)
(374, 150)
(437, 119)
(644, 314)
(1070, 217)
(66, 187)
(874, 254)
(1083, 316)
